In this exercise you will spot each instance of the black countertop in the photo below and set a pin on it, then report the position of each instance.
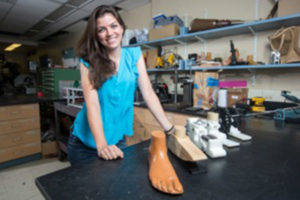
(188, 111)
(6, 100)
(267, 167)
(180, 110)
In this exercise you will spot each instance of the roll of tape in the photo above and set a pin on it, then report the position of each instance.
(222, 98)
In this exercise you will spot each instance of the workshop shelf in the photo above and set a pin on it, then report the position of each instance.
(244, 28)
(233, 67)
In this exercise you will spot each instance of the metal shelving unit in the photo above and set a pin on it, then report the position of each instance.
(48, 81)
(235, 67)
(245, 28)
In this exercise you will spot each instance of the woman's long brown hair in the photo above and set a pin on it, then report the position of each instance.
(93, 52)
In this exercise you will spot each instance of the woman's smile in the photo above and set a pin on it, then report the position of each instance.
(109, 31)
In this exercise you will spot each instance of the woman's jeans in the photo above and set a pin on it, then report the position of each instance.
(78, 153)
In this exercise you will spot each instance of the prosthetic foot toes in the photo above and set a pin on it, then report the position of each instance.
(161, 172)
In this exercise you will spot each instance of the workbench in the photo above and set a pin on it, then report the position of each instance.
(62, 140)
(267, 167)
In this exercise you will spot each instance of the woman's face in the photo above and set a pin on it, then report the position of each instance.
(109, 31)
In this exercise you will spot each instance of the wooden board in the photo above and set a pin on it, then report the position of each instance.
(181, 145)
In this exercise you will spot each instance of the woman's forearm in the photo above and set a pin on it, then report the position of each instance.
(96, 126)
(156, 109)
(104, 151)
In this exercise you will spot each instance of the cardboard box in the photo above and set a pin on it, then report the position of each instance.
(164, 31)
(288, 7)
(236, 95)
(151, 56)
(205, 89)
(49, 148)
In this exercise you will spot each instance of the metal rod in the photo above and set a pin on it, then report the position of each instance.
(265, 112)
(148, 46)
(175, 89)
(180, 42)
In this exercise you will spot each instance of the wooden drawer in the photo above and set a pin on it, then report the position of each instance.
(17, 125)
(139, 114)
(14, 139)
(170, 117)
(142, 134)
(19, 111)
(19, 151)
(139, 134)
(149, 119)
(131, 140)
(149, 129)
(138, 124)
(181, 119)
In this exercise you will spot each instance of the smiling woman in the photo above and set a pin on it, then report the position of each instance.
(110, 75)
(109, 31)
(102, 35)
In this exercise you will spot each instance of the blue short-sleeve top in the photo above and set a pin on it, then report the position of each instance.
(116, 96)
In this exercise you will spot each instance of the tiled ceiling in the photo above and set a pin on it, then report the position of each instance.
(30, 21)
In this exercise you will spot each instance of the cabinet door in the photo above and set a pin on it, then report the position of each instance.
(24, 137)
(170, 117)
(139, 114)
(19, 125)
(138, 136)
(180, 119)
(149, 119)
(19, 111)
(11, 153)
(149, 129)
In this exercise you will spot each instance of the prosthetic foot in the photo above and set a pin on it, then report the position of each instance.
(213, 129)
(181, 145)
(210, 144)
(229, 125)
(161, 172)
(234, 132)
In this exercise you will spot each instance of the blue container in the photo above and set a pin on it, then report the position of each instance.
(183, 30)
(182, 64)
(162, 20)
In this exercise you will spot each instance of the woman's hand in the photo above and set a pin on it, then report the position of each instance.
(110, 152)
(170, 131)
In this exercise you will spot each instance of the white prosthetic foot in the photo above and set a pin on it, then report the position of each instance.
(197, 129)
(234, 132)
(213, 129)
(210, 144)
(230, 143)
(189, 124)
(214, 146)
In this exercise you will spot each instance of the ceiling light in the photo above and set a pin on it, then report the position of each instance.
(12, 47)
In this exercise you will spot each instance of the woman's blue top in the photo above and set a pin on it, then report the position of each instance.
(116, 96)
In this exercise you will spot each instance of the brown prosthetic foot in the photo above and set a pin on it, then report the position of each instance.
(161, 172)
